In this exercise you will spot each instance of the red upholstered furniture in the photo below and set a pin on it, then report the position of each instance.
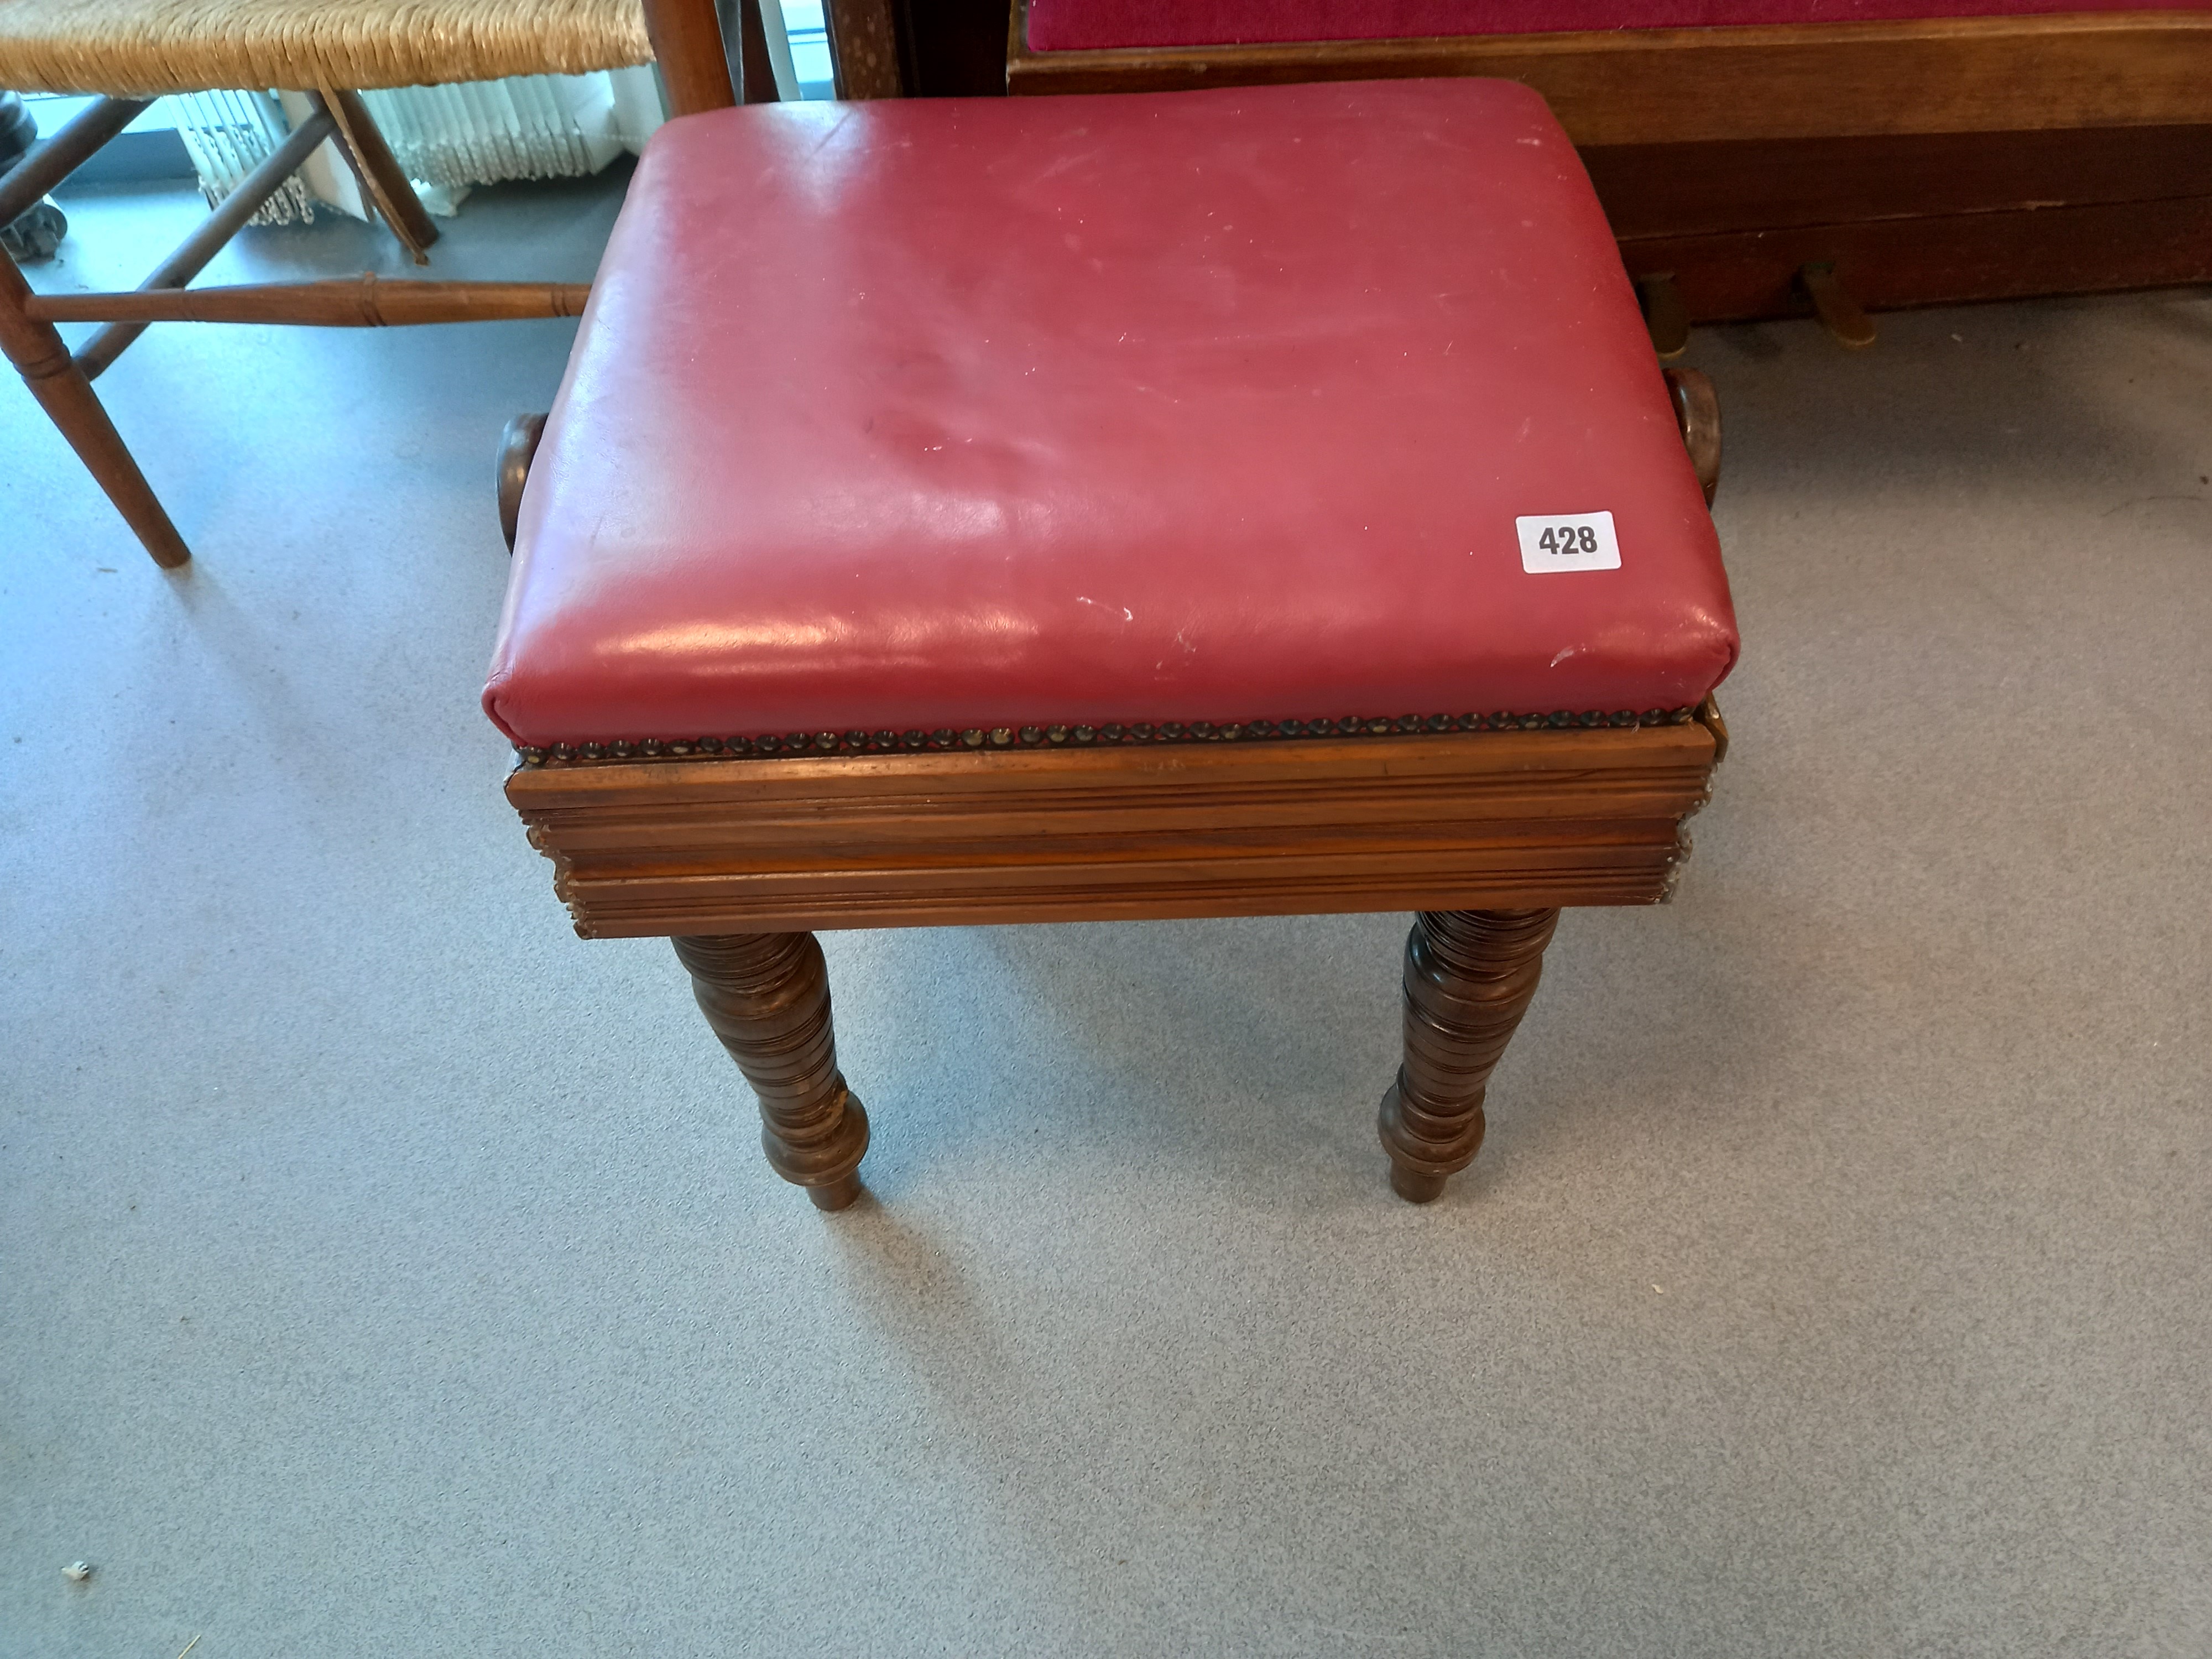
(1259, 500)
(1202, 407)
(1915, 151)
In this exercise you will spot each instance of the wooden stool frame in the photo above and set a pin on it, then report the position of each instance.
(1486, 834)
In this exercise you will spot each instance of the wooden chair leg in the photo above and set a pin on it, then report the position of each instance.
(767, 996)
(381, 178)
(1470, 976)
(37, 351)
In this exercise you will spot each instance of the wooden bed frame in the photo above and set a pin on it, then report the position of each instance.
(1922, 162)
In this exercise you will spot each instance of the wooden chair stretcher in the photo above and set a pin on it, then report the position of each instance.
(62, 379)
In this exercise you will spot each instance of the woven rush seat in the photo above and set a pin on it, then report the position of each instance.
(144, 48)
(970, 420)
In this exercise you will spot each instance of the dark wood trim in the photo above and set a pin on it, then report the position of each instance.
(1705, 189)
(1892, 264)
(366, 302)
(1930, 219)
(1435, 822)
(1654, 86)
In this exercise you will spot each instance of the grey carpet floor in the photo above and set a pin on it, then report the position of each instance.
(385, 1270)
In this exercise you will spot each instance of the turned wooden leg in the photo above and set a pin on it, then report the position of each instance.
(36, 350)
(1469, 977)
(767, 996)
(360, 141)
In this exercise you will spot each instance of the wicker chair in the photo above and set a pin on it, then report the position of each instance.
(132, 51)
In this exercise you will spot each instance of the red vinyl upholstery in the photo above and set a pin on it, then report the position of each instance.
(1216, 406)
(1076, 25)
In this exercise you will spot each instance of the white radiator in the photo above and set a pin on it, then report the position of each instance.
(447, 138)
(543, 126)
(227, 134)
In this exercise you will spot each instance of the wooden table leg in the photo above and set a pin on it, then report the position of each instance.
(1470, 976)
(36, 350)
(767, 996)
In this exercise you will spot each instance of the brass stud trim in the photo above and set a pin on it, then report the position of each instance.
(772, 746)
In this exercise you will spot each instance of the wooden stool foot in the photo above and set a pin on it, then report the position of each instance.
(1470, 976)
(767, 997)
(838, 1194)
(1416, 1186)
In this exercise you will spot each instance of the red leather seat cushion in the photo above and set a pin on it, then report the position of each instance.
(1212, 406)
(1075, 25)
